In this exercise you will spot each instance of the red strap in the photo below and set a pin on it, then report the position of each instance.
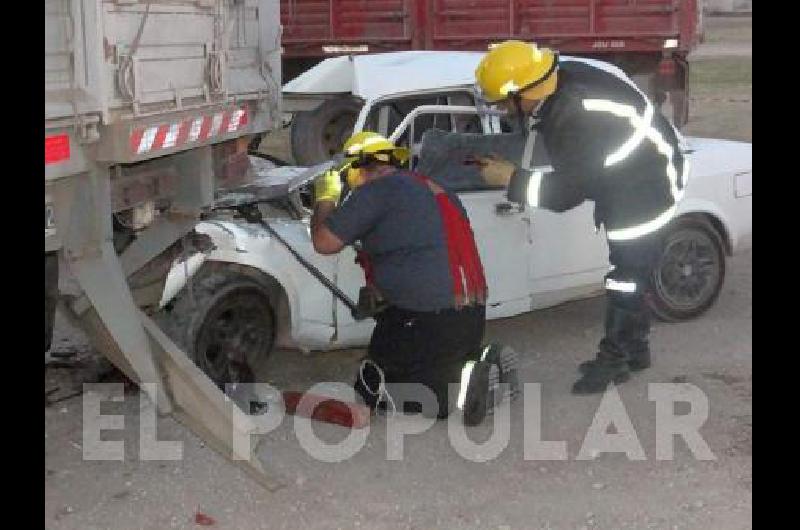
(453, 250)
(465, 261)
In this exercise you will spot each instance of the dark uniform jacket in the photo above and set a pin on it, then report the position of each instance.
(607, 143)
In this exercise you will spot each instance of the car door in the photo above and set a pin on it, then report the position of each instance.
(502, 233)
(569, 257)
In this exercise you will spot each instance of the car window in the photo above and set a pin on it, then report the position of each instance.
(444, 141)
(385, 116)
(445, 156)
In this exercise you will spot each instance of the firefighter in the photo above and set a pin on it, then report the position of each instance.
(606, 143)
(420, 258)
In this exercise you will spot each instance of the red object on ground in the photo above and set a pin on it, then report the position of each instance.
(203, 519)
(327, 409)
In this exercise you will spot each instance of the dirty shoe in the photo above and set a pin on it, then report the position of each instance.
(599, 374)
(505, 359)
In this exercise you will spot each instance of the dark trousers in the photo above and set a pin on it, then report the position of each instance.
(422, 347)
(627, 319)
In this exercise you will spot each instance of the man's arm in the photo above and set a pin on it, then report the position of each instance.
(573, 142)
(558, 191)
(325, 241)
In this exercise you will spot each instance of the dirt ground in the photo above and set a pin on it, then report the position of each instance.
(434, 487)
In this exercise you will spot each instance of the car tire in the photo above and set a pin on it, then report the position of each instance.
(318, 135)
(226, 313)
(690, 271)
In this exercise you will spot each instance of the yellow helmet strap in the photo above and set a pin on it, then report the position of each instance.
(545, 77)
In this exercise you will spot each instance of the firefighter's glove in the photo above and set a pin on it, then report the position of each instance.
(495, 170)
(328, 186)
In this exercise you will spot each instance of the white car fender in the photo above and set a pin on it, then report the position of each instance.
(694, 205)
(224, 235)
(249, 245)
(233, 244)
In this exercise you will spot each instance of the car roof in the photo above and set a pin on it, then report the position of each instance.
(373, 76)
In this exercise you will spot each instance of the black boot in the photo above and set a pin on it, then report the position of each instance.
(629, 329)
(623, 348)
(602, 372)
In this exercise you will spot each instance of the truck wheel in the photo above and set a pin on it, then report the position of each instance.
(690, 271)
(318, 135)
(50, 296)
(229, 327)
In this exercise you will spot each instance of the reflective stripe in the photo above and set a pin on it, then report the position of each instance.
(485, 352)
(640, 127)
(643, 128)
(172, 135)
(624, 287)
(216, 122)
(235, 118)
(534, 185)
(147, 140)
(194, 132)
(633, 232)
(200, 128)
(685, 172)
(466, 374)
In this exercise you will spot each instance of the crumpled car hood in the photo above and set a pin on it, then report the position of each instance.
(271, 182)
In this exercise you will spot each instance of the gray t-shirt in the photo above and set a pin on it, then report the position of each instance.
(397, 220)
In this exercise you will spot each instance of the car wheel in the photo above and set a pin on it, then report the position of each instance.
(227, 327)
(318, 135)
(690, 272)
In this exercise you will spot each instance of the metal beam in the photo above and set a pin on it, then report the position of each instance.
(154, 240)
(90, 254)
(203, 408)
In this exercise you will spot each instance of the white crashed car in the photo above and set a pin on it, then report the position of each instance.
(251, 293)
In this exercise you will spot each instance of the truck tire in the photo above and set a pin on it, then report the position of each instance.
(690, 272)
(227, 328)
(50, 296)
(318, 135)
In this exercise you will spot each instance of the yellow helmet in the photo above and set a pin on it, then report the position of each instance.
(368, 145)
(516, 67)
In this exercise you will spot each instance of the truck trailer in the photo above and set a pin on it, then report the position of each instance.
(149, 110)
